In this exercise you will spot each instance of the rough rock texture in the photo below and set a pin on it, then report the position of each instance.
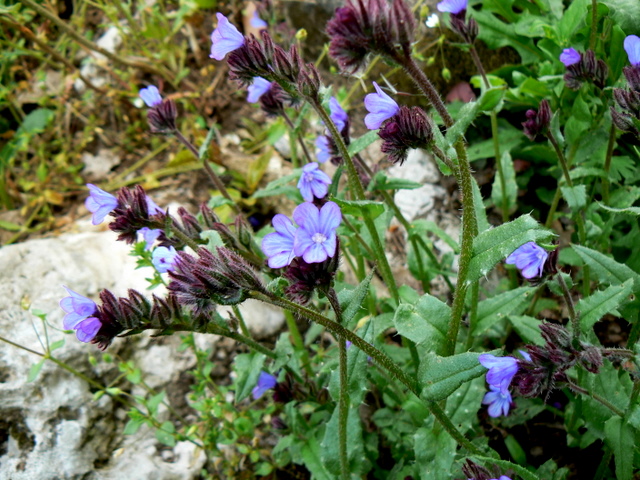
(51, 428)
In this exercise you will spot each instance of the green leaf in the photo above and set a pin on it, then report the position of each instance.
(466, 115)
(358, 207)
(380, 181)
(465, 400)
(620, 437)
(248, 367)
(330, 446)
(606, 269)
(279, 185)
(56, 345)
(496, 244)
(133, 426)
(421, 227)
(491, 98)
(490, 462)
(510, 195)
(311, 454)
(351, 300)
(154, 402)
(441, 376)
(435, 452)
(595, 306)
(572, 19)
(617, 57)
(496, 308)
(576, 196)
(625, 13)
(633, 211)
(165, 434)
(362, 142)
(478, 204)
(12, 227)
(527, 328)
(425, 322)
(34, 371)
(554, 128)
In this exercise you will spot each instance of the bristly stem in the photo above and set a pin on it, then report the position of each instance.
(596, 397)
(607, 164)
(575, 321)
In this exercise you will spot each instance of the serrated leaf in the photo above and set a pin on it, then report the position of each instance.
(606, 269)
(362, 142)
(165, 434)
(466, 115)
(358, 207)
(505, 465)
(496, 308)
(311, 454)
(351, 300)
(595, 306)
(575, 196)
(34, 371)
(620, 437)
(248, 367)
(441, 376)
(425, 322)
(478, 204)
(496, 244)
(330, 447)
(464, 402)
(381, 181)
(510, 195)
(633, 211)
(527, 328)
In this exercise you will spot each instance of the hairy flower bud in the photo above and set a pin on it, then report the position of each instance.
(410, 128)
(588, 69)
(537, 121)
(162, 117)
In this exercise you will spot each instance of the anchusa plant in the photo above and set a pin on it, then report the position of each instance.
(387, 377)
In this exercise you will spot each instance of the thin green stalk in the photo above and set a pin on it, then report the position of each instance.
(296, 134)
(239, 316)
(473, 314)
(607, 164)
(594, 25)
(554, 206)
(575, 320)
(596, 397)
(298, 342)
(356, 234)
(357, 190)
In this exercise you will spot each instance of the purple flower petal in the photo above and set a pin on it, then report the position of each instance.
(266, 382)
(315, 240)
(149, 236)
(501, 369)
(259, 87)
(164, 258)
(529, 259)
(499, 401)
(257, 22)
(151, 96)
(100, 203)
(77, 307)
(152, 207)
(323, 151)
(313, 182)
(632, 47)
(338, 115)
(278, 246)
(452, 6)
(570, 56)
(88, 329)
(380, 107)
(225, 38)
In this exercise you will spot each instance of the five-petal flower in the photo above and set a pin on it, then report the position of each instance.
(100, 203)
(315, 240)
(149, 236)
(164, 258)
(499, 401)
(501, 369)
(79, 310)
(266, 381)
(380, 107)
(225, 38)
(313, 182)
(529, 259)
(570, 56)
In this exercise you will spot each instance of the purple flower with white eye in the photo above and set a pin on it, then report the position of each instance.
(256, 21)
(266, 382)
(313, 182)
(100, 203)
(151, 96)
(337, 114)
(259, 87)
(278, 246)
(501, 369)
(225, 38)
(380, 107)
(164, 259)
(315, 240)
(149, 236)
(529, 259)
(632, 47)
(79, 310)
(499, 401)
(452, 6)
(570, 56)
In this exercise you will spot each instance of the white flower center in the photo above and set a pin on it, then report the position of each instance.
(319, 238)
(308, 177)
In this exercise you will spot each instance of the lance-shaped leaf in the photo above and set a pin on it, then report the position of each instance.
(441, 376)
(595, 306)
(620, 436)
(425, 322)
(499, 306)
(606, 269)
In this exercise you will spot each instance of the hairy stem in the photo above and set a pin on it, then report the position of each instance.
(596, 397)
(575, 321)
(607, 164)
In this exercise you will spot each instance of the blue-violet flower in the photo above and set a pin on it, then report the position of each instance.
(323, 149)
(256, 21)
(100, 203)
(452, 6)
(529, 259)
(152, 207)
(164, 258)
(501, 369)
(151, 96)
(499, 401)
(259, 87)
(570, 56)
(337, 114)
(79, 310)
(266, 382)
(225, 38)
(632, 47)
(149, 236)
(313, 182)
(315, 240)
(278, 246)
(380, 107)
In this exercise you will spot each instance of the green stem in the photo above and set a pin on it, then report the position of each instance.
(357, 190)
(575, 321)
(295, 133)
(596, 397)
(298, 342)
(473, 314)
(554, 206)
(594, 25)
(243, 325)
(607, 164)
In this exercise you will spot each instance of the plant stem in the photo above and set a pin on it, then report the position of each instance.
(575, 321)
(298, 342)
(594, 25)
(607, 164)
(554, 206)
(357, 190)
(292, 131)
(596, 397)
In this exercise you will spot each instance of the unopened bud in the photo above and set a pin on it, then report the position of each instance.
(301, 35)
(446, 74)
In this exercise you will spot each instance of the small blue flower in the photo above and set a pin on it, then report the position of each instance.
(151, 96)
(529, 259)
(266, 382)
(323, 149)
(452, 6)
(79, 310)
(100, 203)
(380, 107)
(256, 21)
(501, 369)
(570, 56)
(259, 87)
(152, 207)
(278, 246)
(337, 114)
(225, 38)
(499, 401)
(164, 258)
(315, 240)
(87, 329)
(313, 182)
(149, 236)
(632, 47)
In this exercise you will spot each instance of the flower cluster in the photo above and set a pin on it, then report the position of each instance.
(467, 29)
(583, 68)
(375, 26)
(473, 471)
(501, 372)
(629, 99)
(79, 316)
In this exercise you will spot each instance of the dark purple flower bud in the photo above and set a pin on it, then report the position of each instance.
(623, 121)
(410, 128)
(632, 74)
(588, 69)
(309, 82)
(570, 56)
(100, 203)
(266, 381)
(556, 336)
(632, 47)
(403, 22)
(473, 471)
(278, 424)
(537, 121)
(225, 38)
(162, 117)
(305, 277)
(135, 211)
(529, 259)
(274, 100)
(250, 61)
(590, 358)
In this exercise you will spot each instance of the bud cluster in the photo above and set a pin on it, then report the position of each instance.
(629, 101)
(537, 121)
(408, 129)
(587, 69)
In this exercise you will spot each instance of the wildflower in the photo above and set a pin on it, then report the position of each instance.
(305, 278)
(410, 128)
(225, 38)
(149, 236)
(259, 87)
(163, 259)
(313, 182)
(588, 69)
(537, 121)
(278, 246)
(452, 6)
(325, 148)
(315, 240)
(570, 56)
(529, 259)
(100, 203)
(501, 369)
(152, 207)
(256, 21)
(151, 96)
(499, 401)
(266, 382)
(433, 21)
(79, 317)
(380, 107)
(338, 115)
(473, 471)
(632, 47)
